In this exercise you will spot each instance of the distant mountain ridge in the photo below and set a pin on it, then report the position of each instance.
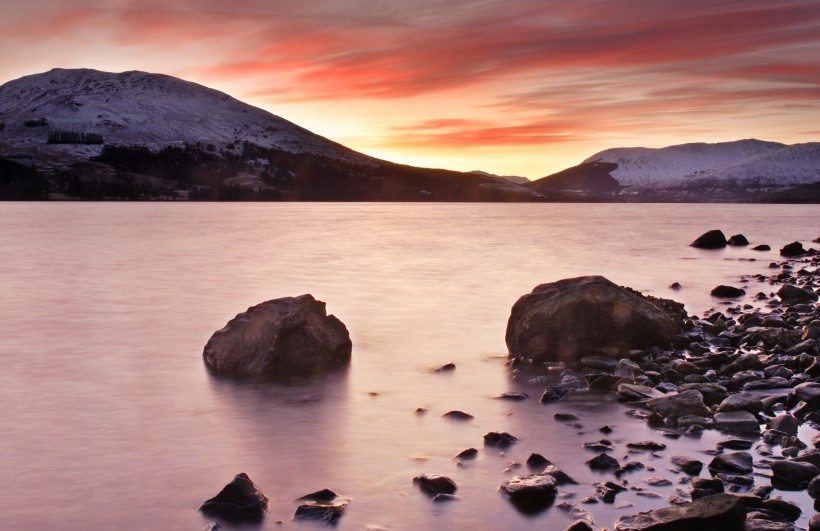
(747, 170)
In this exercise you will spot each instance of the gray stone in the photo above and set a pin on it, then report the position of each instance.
(568, 319)
(794, 473)
(674, 406)
(738, 421)
(741, 402)
(785, 423)
(732, 463)
(239, 501)
(719, 511)
(687, 464)
(279, 339)
(530, 493)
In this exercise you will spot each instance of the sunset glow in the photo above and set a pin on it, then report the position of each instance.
(522, 87)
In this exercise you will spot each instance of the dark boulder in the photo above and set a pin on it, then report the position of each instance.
(674, 406)
(714, 239)
(719, 511)
(738, 240)
(458, 415)
(794, 295)
(793, 249)
(732, 463)
(322, 512)
(433, 484)
(531, 493)
(603, 462)
(762, 247)
(687, 464)
(279, 339)
(729, 292)
(499, 439)
(566, 320)
(793, 474)
(239, 501)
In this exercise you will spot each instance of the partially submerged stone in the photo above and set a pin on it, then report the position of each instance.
(433, 484)
(566, 320)
(718, 512)
(279, 339)
(713, 239)
(239, 501)
(530, 493)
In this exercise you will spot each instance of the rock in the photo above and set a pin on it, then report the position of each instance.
(675, 286)
(324, 495)
(239, 501)
(632, 392)
(784, 423)
(702, 487)
(537, 461)
(738, 421)
(760, 524)
(458, 415)
(793, 249)
(580, 525)
(788, 509)
(561, 477)
(674, 406)
(553, 394)
(814, 523)
(433, 484)
(602, 363)
(530, 493)
(325, 513)
(603, 445)
(738, 239)
(814, 487)
(734, 444)
(732, 463)
(794, 295)
(687, 464)
(795, 474)
(762, 247)
(741, 402)
(727, 292)
(565, 417)
(720, 511)
(603, 462)
(652, 446)
(565, 320)
(714, 239)
(279, 339)
(447, 367)
(499, 439)
(509, 395)
(631, 466)
(442, 497)
(469, 453)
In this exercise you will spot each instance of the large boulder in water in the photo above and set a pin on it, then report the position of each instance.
(279, 339)
(239, 501)
(569, 319)
(714, 239)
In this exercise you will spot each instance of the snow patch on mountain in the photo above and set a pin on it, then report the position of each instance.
(641, 166)
(151, 110)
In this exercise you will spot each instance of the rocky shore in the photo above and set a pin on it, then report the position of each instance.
(747, 370)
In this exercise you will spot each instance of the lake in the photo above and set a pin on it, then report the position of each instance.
(110, 420)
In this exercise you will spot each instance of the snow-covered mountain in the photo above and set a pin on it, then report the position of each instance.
(85, 134)
(150, 110)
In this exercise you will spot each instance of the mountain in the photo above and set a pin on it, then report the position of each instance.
(744, 170)
(137, 135)
(515, 179)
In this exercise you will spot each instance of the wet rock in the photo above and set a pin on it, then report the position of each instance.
(741, 402)
(580, 525)
(784, 423)
(734, 444)
(737, 421)
(814, 487)
(607, 491)
(732, 463)
(788, 509)
(702, 487)
(442, 497)
(602, 445)
(759, 524)
(738, 240)
(792, 250)
(794, 295)
(675, 286)
(561, 477)
(601, 363)
(565, 320)
(553, 394)
(325, 513)
(814, 522)
(499, 439)
(713, 239)
(795, 474)
(239, 501)
(656, 481)
(280, 339)
(603, 462)
(675, 406)
(651, 446)
(537, 461)
(727, 292)
(762, 247)
(720, 511)
(509, 395)
(687, 464)
(458, 415)
(432, 484)
(447, 367)
(531, 493)
(324, 495)
(565, 417)
(469, 453)
(631, 466)
(632, 392)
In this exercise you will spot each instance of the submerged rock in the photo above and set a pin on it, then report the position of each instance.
(719, 511)
(738, 240)
(499, 439)
(322, 512)
(433, 484)
(239, 501)
(565, 320)
(794, 295)
(714, 239)
(793, 249)
(727, 292)
(530, 493)
(278, 340)
(689, 402)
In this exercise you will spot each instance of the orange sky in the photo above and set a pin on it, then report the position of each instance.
(516, 87)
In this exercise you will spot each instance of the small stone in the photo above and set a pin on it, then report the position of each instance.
(739, 421)
(652, 446)
(447, 367)
(733, 463)
(727, 292)
(531, 493)
(326, 513)
(239, 501)
(603, 462)
(458, 415)
(433, 484)
(687, 464)
(509, 395)
(499, 439)
(469, 453)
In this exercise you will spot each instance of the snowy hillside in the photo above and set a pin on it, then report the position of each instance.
(790, 165)
(641, 166)
(138, 108)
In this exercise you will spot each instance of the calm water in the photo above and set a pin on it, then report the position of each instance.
(109, 420)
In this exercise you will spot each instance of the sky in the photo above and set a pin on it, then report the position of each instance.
(512, 87)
